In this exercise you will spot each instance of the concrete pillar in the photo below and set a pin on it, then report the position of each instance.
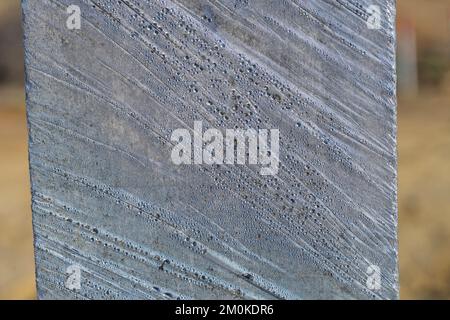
(213, 149)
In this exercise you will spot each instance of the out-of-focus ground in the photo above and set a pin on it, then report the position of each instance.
(423, 34)
(423, 146)
(424, 197)
(16, 241)
(16, 244)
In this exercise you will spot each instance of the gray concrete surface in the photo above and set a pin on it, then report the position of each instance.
(104, 100)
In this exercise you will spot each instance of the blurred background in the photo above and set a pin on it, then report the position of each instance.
(423, 146)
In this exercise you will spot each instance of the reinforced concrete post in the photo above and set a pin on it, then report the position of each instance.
(222, 149)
